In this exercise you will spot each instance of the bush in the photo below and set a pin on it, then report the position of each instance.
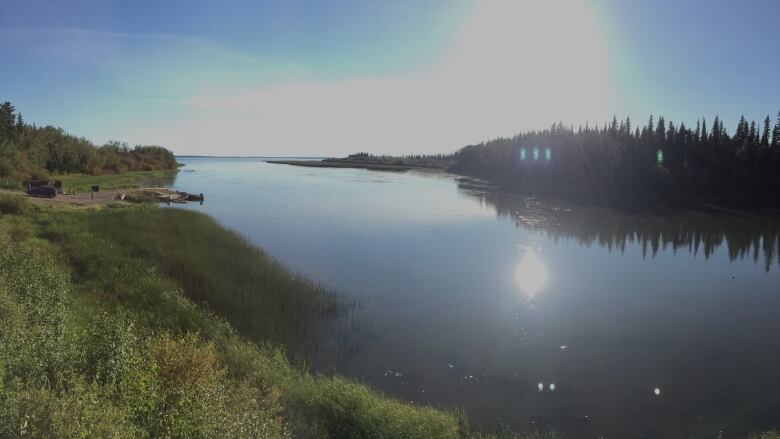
(12, 204)
(82, 411)
(336, 407)
(35, 295)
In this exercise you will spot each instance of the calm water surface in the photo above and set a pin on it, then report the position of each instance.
(531, 314)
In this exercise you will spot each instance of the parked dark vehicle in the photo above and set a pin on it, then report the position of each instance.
(42, 191)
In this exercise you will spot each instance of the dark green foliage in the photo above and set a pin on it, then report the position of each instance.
(612, 162)
(437, 161)
(12, 204)
(27, 151)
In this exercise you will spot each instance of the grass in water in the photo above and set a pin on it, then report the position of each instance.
(210, 264)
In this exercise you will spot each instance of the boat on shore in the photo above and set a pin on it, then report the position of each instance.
(179, 197)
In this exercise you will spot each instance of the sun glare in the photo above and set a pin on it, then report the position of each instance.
(511, 65)
(530, 274)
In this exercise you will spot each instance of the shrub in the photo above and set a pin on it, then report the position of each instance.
(335, 407)
(12, 204)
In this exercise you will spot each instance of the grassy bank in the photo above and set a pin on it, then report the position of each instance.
(83, 182)
(114, 323)
(208, 263)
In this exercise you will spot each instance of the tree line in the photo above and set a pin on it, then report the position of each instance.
(32, 152)
(617, 160)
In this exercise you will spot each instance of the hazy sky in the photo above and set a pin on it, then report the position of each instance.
(328, 78)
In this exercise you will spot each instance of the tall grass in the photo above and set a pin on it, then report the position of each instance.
(210, 264)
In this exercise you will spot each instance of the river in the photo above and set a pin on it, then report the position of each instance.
(527, 313)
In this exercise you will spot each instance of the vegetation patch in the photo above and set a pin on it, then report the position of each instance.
(31, 152)
(76, 183)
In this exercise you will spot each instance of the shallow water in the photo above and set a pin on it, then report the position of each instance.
(660, 323)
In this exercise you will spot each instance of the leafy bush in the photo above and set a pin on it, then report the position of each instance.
(335, 407)
(12, 204)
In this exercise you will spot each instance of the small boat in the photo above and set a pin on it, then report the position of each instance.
(179, 197)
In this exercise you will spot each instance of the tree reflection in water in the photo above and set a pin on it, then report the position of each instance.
(700, 230)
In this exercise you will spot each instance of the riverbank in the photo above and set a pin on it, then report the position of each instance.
(135, 187)
(138, 321)
(103, 197)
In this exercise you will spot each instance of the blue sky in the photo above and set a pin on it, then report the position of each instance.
(329, 78)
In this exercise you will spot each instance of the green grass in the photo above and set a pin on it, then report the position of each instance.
(142, 197)
(83, 182)
(210, 264)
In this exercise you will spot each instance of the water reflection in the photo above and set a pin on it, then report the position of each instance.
(564, 334)
(530, 274)
(700, 231)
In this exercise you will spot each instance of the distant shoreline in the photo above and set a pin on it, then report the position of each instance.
(347, 164)
(186, 156)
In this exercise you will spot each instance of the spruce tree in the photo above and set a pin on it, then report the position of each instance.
(671, 133)
(752, 134)
(765, 133)
(715, 134)
(660, 129)
(776, 132)
(742, 129)
(704, 136)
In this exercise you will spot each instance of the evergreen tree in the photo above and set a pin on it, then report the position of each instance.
(765, 133)
(648, 131)
(671, 133)
(7, 119)
(660, 129)
(752, 134)
(715, 134)
(776, 132)
(704, 135)
(742, 130)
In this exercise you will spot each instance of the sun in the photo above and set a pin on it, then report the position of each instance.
(530, 274)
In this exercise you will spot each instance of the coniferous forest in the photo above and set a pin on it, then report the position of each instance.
(620, 160)
(28, 151)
